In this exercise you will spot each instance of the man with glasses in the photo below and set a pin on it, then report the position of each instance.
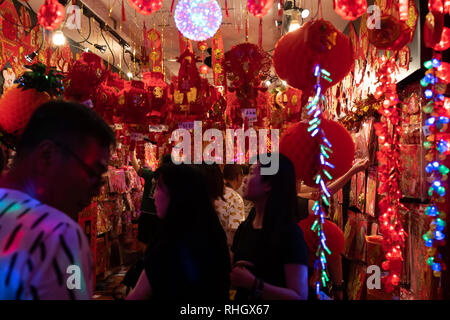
(58, 168)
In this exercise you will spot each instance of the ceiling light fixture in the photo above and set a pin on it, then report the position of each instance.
(295, 22)
(101, 48)
(30, 57)
(58, 38)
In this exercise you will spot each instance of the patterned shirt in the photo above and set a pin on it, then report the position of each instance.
(231, 212)
(44, 254)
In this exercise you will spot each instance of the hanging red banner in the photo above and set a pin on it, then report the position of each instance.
(218, 56)
(155, 49)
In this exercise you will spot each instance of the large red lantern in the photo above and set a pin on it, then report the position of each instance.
(444, 43)
(146, 7)
(51, 14)
(433, 27)
(302, 149)
(317, 42)
(350, 9)
(259, 8)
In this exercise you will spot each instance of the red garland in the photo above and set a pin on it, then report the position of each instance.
(389, 170)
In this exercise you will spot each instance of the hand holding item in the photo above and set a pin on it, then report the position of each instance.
(240, 276)
(361, 164)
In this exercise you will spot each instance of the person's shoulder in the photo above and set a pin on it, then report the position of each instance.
(233, 194)
(291, 230)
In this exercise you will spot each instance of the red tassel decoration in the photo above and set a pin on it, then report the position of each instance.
(260, 33)
(123, 12)
(226, 8)
(171, 7)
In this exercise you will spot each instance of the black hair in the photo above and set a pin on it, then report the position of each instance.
(68, 122)
(166, 159)
(214, 180)
(281, 206)
(190, 208)
(232, 172)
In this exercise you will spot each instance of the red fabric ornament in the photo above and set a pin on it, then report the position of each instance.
(443, 72)
(259, 8)
(393, 34)
(133, 103)
(444, 43)
(298, 145)
(202, 45)
(146, 7)
(157, 90)
(84, 77)
(441, 6)
(350, 9)
(334, 235)
(51, 14)
(317, 42)
(105, 102)
(433, 27)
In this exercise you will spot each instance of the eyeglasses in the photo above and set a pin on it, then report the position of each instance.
(87, 168)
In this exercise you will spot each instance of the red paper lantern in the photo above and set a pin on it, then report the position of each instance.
(334, 235)
(204, 69)
(259, 8)
(51, 14)
(202, 45)
(317, 42)
(350, 9)
(146, 7)
(303, 150)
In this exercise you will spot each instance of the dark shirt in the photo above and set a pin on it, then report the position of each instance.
(269, 252)
(148, 202)
(195, 268)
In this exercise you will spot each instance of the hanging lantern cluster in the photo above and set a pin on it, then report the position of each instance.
(146, 7)
(51, 14)
(350, 9)
(259, 8)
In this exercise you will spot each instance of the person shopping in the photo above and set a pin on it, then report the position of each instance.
(189, 259)
(269, 253)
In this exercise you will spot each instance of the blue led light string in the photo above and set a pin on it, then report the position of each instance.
(315, 129)
(435, 168)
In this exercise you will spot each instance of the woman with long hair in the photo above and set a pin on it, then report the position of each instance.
(189, 258)
(269, 253)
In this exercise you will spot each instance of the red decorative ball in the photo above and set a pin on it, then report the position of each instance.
(51, 14)
(433, 27)
(146, 7)
(204, 69)
(393, 34)
(317, 42)
(303, 150)
(259, 8)
(335, 238)
(443, 72)
(444, 43)
(350, 9)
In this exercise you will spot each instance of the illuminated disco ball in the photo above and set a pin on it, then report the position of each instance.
(198, 20)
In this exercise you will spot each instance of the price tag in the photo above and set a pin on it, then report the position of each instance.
(118, 126)
(249, 114)
(426, 131)
(136, 136)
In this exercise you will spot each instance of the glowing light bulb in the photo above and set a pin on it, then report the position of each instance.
(58, 38)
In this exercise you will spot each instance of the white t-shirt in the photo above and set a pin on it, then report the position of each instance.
(44, 254)
(231, 211)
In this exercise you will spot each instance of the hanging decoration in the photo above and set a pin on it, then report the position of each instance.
(437, 148)
(146, 7)
(34, 88)
(156, 54)
(217, 59)
(51, 14)
(394, 33)
(259, 8)
(157, 90)
(389, 171)
(198, 20)
(246, 66)
(84, 77)
(316, 42)
(315, 128)
(350, 9)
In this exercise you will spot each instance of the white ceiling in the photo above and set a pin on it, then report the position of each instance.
(233, 27)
